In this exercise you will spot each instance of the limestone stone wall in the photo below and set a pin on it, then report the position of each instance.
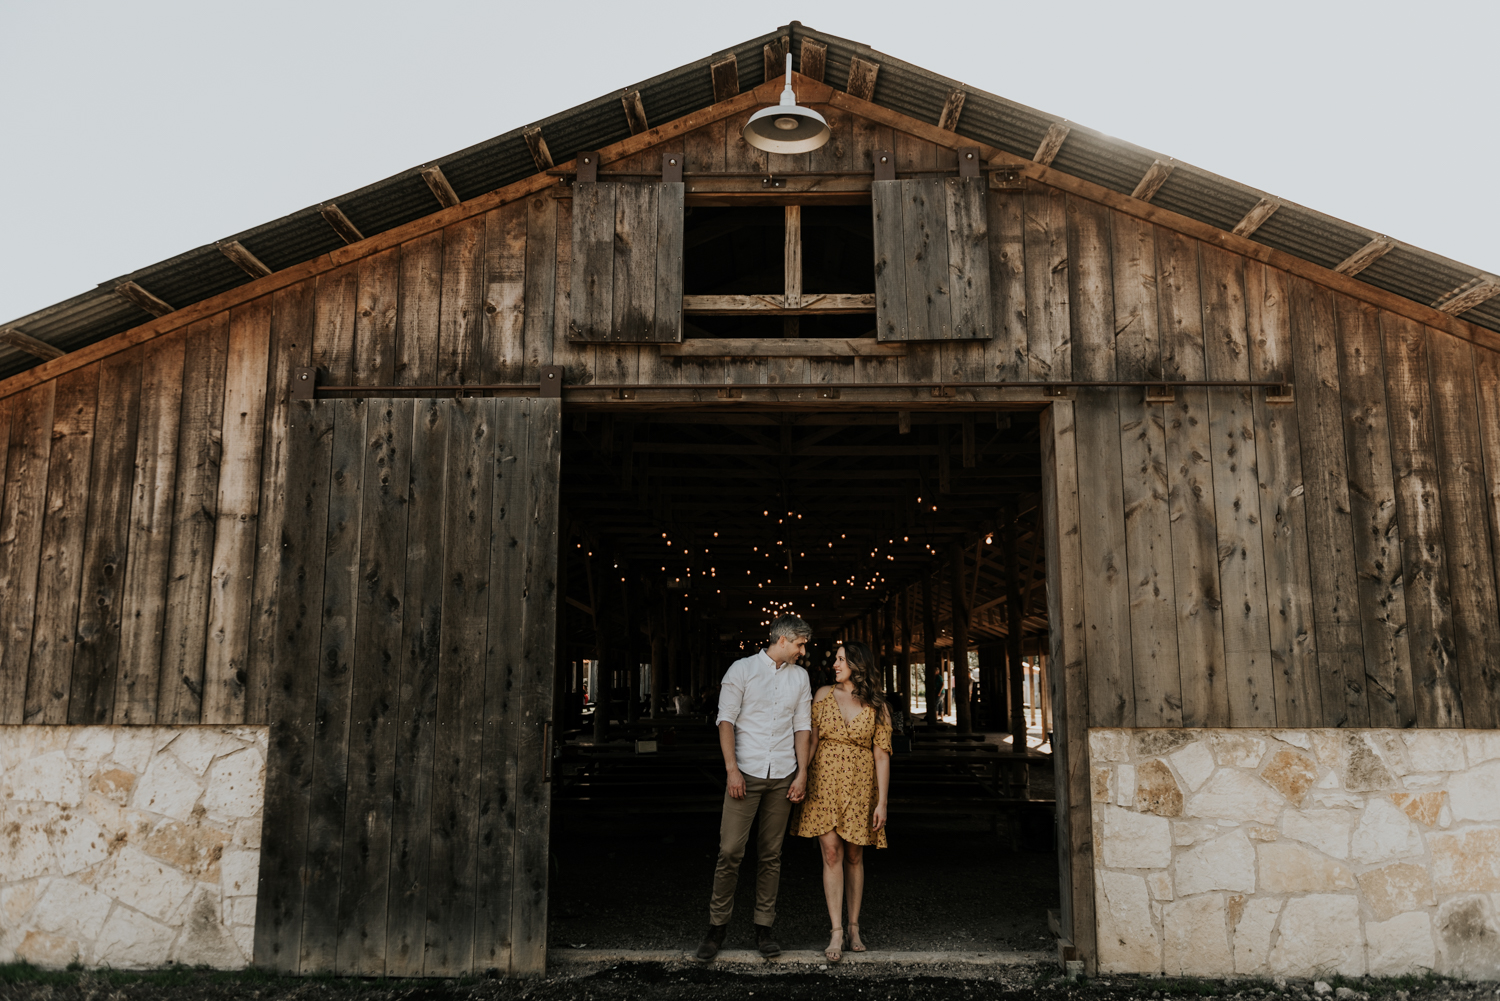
(1297, 852)
(129, 846)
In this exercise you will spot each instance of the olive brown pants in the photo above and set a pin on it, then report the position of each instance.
(767, 799)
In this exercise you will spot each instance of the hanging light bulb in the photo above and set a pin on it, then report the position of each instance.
(786, 128)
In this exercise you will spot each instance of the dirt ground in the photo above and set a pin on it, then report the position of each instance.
(943, 884)
(682, 982)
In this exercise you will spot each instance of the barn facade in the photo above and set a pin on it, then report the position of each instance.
(297, 531)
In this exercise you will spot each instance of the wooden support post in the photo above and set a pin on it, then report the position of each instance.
(934, 666)
(563, 669)
(630, 644)
(606, 645)
(658, 660)
(959, 599)
(903, 682)
(1013, 625)
(792, 263)
(888, 644)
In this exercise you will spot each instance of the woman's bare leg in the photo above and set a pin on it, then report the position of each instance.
(854, 890)
(833, 890)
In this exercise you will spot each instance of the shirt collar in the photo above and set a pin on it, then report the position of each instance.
(766, 653)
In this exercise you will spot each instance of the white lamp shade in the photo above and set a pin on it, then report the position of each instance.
(784, 128)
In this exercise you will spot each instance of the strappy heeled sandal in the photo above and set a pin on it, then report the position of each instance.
(834, 953)
(850, 935)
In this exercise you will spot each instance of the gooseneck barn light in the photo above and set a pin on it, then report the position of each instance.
(786, 128)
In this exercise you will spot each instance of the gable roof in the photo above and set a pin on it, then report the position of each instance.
(205, 271)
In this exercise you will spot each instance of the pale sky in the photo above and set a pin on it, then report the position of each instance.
(132, 132)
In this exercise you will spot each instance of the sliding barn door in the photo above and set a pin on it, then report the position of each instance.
(407, 796)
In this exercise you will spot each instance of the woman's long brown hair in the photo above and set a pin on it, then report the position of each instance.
(862, 675)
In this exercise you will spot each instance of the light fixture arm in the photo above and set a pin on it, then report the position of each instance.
(787, 97)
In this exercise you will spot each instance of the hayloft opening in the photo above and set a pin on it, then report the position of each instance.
(770, 271)
(682, 535)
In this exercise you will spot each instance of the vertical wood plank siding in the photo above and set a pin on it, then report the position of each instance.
(1330, 561)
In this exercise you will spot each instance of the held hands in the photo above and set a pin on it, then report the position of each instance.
(798, 790)
(877, 820)
(736, 783)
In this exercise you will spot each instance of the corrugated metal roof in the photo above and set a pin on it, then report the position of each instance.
(204, 272)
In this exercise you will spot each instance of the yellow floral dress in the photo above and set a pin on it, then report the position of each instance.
(841, 790)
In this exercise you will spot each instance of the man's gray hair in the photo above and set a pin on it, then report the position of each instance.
(793, 627)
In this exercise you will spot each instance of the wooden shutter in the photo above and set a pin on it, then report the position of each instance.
(932, 259)
(627, 262)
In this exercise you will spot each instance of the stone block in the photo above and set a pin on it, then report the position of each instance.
(1395, 889)
(71, 910)
(1401, 946)
(78, 843)
(1129, 840)
(1195, 940)
(1258, 832)
(192, 849)
(1423, 807)
(1291, 774)
(1468, 939)
(197, 746)
(1127, 935)
(1109, 745)
(25, 848)
(1419, 781)
(1236, 749)
(1160, 885)
(1125, 785)
(1155, 743)
(241, 911)
(132, 942)
(1156, 790)
(1252, 933)
(1364, 769)
(1195, 763)
(17, 900)
(47, 778)
(1328, 747)
(1482, 745)
(205, 939)
(1101, 777)
(1320, 934)
(1475, 794)
(92, 744)
(114, 784)
(1466, 861)
(134, 746)
(1434, 750)
(1297, 738)
(1383, 832)
(1235, 795)
(1330, 799)
(49, 950)
(240, 873)
(247, 833)
(1190, 832)
(167, 788)
(142, 882)
(1289, 867)
(1391, 749)
(244, 937)
(1225, 863)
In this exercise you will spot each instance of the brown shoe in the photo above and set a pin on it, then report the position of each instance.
(712, 942)
(765, 943)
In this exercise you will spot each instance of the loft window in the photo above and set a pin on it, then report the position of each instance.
(779, 271)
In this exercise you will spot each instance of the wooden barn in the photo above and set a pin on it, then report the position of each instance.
(337, 556)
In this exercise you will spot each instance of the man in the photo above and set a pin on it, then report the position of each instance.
(765, 722)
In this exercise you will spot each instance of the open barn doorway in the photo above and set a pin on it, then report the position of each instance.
(919, 533)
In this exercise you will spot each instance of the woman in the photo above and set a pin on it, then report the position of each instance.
(847, 785)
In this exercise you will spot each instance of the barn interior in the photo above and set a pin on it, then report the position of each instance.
(683, 534)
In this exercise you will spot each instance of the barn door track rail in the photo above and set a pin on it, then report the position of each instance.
(305, 386)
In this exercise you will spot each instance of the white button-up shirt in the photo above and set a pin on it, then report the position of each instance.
(767, 705)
